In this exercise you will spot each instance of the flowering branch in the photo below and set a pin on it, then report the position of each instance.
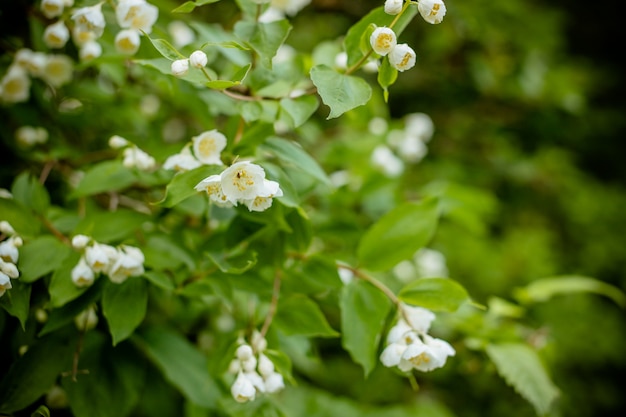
(273, 303)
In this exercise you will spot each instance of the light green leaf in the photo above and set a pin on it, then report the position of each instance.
(165, 48)
(41, 256)
(522, 369)
(104, 176)
(114, 383)
(62, 289)
(124, 306)
(294, 156)
(398, 234)
(32, 375)
(189, 6)
(437, 294)
(299, 109)
(387, 75)
(364, 310)
(265, 38)
(30, 193)
(181, 363)
(41, 411)
(16, 302)
(298, 314)
(223, 41)
(338, 91)
(234, 263)
(182, 185)
(544, 289)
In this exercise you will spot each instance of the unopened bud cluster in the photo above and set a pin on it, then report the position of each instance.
(118, 263)
(197, 59)
(9, 255)
(410, 347)
(134, 157)
(255, 372)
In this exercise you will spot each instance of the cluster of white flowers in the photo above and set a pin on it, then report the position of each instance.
(197, 59)
(9, 255)
(118, 263)
(207, 147)
(134, 157)
(31, 135)
(409, 346)
(54, 69)
(255, 372)
(242, 182)
(404, 145)
(384, 42)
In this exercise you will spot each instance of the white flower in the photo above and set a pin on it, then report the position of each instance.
(118, 142)
(418, 318)
(9, 269)
(412, 148)
(420, 125)
(242, 389)
(180, 67)
(59, 70)
(428, 355)
(82, 274)
(290, 7)
(80, 241)
(384, 159)
(127, 41)
(213, 186)
(244, 352)
(81, 36)
(256, 379)
(432, 11)
(263, 201)
(207, 146)
(5, 283)
(56, 35)
(128, 264)
(181, 34)
(198, 59)
(383, 40)
(8, 250)
(52, 8)
(90, 19)
(99, 256)
(430, 263)
(182, 161)
(265, 366)
(33, 62)
(274, 383)
(136, 158)
(6, 228)
(402, 57)
(29, 135)
(393, 7)
(392, 354)
(136, 14)
(87, 319)
(15, 85)
(242, 181)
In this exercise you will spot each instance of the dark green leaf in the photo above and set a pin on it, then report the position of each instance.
(398, 235)
(437, 294)
(41, 256)
(23, 221)
(62, 289)
(338, 91)
(16, 301)
(124, 306)
(104, 176)
(364, 310)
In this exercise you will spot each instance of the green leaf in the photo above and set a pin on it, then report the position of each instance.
(294, 156)
(298, 314)
(544, 289)
(182, 185)
(338, 91)
(265, 38)
(189, 6)
(299, 109)
(378, 17)
(41, 411)
(387, 75)
(62, 289)
(282, 363)
(181, 363)
(41, 256)
(163, 253)
(104, 176)
(164, 66)
(437, 294)
(364, 310)
(159, 279)
(114, 383)
(29, 192)
(16, 301)
(110, 226)
(166, 49)
(522, 369)
(23, 221)
(124, 306)
(398, 235)
(32, 375)
(234, 263)
(222, 40)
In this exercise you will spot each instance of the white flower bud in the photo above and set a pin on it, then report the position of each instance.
(82, 274)
(9, 269)
(52, 8)
(127, 41)
(90, 50)
(80, 241)
(249, 364)
(180, 67)
(87, 319)
(265, 366)
(118, 142)
(5, 283)
(258, 341)
(56, 35)
(30, 136)
(274, 383)
(383, 40)
(402, 57)
(6, 228)
(242, 389)
(393, 7)
(15, 85)
(244, 352)
(8, 251)
(198, 59)
(432, 11)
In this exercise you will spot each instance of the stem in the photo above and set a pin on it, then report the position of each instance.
(273, 303)
(206, 74)
(46, 171)
(382, 287)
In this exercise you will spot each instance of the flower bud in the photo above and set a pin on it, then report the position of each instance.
(432, 11)
(127, 41)
(56, 35)
(244, 352)
(52, 8)
(90, 50)
(180, 67)
(117, 142)
(80, 241)
(402, 57)
(383, 40)
(393, 7)
(198, 59)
